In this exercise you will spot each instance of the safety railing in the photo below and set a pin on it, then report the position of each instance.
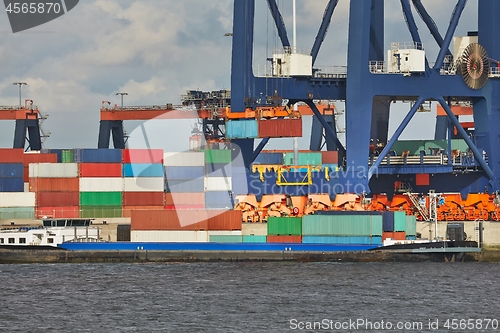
(331, 72)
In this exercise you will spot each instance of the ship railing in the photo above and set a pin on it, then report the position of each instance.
(402, 160)
(494, 72)
(407, 46)
(166, 107)
(331, 72)
(17, 107)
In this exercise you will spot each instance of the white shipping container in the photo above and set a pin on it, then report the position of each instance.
(184, 159)
(174, 236)
(258, 229)
(17, 199)
(143, 184)
(26, 187)
(111, 184)
(218, 184)
(224, 233)
(53, 170)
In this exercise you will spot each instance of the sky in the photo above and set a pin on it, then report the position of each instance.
(156, 50)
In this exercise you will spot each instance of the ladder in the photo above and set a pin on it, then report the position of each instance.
(415, 202)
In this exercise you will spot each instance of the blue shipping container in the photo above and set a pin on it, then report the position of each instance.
(11, 170)
(184, 172)
(411, 237)
(142, 170)
(185, 185)
(12, 184)
(218, 200)
(242, 129)
(388, 221)
(239, 183)
(86, 155)
(218, 170)
(269, 158)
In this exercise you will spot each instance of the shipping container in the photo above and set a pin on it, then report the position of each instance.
(144, 184)
(57, 152)
(184, 172)
(224, 220)
(58, 212)
(284, 239)
(313, 159)
(100, 211)
(101, 184)
(17, 199)
(217, 156)
(225, 239)
(12, 184)
(330, 157)
(184, 207)
(102, 155)
(388, 221)
(39, 158)
(218, 170)
(269, 159)
(374, 240)
(399, 235)
(280, 128)
(184, 159)
(17, 212)
(388, 234)
(256, 229)
(181, 236)
(127, 210)
(411, 225)
(218, 184)
(400, 221)
(54, 184)
(57, 199)
(101, 170)
(169, 220)
(143, 156)
(53, 170)
(218, 200)
(11, 155)
(189, 198)
(342, 225)
(100, 199)
(254, 239)
(67, 156)
(185, 185)
(143, 198)
(284, 226)
(142, 170)
(224, 232)
(411, 237)
(242, 129)
(11, 170)
(239, 182)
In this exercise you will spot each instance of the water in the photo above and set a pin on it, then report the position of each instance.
(246, 297)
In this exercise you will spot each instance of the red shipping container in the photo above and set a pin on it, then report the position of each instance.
(11, 155)
(386, 235)
(330, 157)
(127, 210)
(143, 198)
(100, 169)
(399, 235)
(185, 199)
(54, 184)
(57, 212)
(184, 207)
(57, 199)
(169, 220)
(143, 156)
(224, 219)
(284, 239)
(280, 128)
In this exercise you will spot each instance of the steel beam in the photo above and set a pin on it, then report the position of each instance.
(280, 24)
(429, 22)
(325, 23)
(259, 148)
(328, 130)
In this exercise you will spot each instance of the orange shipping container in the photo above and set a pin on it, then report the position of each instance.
(185, 199)
(386, 235)
(11, 155)
(57, 199)
(143, 198)
(284, 239)
(100, 169)
(280, 128)
(57, 212)
(169, 220)
(54, 184)
(330, 157)
(399, 235)
(224, 219)
(127, 210)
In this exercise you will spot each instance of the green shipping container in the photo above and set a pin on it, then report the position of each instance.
(314, 159)
(411, 225)
(226, 239)
(100, 198)
(284, 226)
(399, 221)
(17, 213)
(217, 156)
(342, 225)
(67, 156)
(100, 211)
(254, 239)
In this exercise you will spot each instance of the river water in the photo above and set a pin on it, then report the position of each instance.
(251, 297)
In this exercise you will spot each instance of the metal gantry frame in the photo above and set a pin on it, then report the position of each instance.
(368, 95)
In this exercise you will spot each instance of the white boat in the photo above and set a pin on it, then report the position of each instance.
(52, 233)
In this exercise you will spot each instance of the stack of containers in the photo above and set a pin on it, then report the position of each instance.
(224, 226)
(17, 205)
(11, 170)
(411, 227)
(56, 186)
(399, 226)
(184, 180)
(143, 180)
(218, 185)
(341, 227)
(101, 184)
(284, 230)
(254, 232)
(36, 157)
